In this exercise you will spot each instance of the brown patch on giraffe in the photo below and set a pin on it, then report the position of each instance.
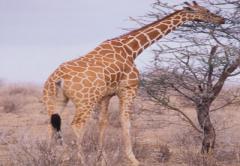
(64, 69)
(70, 92)
(162, 27)
(113, 77)
(77, 86)
(134, 44)
(106, 72)
(115, 67)
(104, 52)
(133, 82)
(175, 22)
(184, 19)
(131, 58)
(106, 63)
(82, 64)
(120, 58)
(86, 83)
(152, 35)
(96, 69)
(116, 43)
(118, 74)
(59, 73)
(167, 22)
(110, 70)
(72, 63)
(120, 65)
(79, 95)
(128, 50)
(90, 55)
(67, 76)
(92, 90)
(76, 79)
(127, 67)
(143, 39)
(145, 46)
(118, 50)
(106, 46)
(97, 48)
(73, 73)
(100, 83)
(114, 84)
(107, 58)
(77, 68)
(107, 79)
(86, 95)
(84, 90)
(168, 31)
(177, 17)
(90, 73)
(133, 75)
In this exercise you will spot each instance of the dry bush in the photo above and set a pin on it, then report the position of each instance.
(155, 154)
(188, 153)
(41, 153)
(163, 153)
(188, 145)
(9, 105)
(28, 152)
(227, 154)
(15, 97)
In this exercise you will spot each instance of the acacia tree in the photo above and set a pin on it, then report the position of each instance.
(195, 62)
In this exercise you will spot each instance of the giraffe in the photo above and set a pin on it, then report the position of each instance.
(109, 70)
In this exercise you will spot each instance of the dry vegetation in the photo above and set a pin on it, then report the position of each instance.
(159, 137)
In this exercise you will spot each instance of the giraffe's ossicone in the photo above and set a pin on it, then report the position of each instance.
(109, 70)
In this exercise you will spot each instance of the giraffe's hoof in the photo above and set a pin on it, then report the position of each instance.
(82, 158)
(60, 142)
(133, 160)
(135, 163)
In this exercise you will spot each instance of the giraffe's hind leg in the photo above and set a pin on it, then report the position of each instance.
(78, 125)
(103, 122)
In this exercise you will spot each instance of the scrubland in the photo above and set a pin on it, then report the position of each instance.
(159, 136)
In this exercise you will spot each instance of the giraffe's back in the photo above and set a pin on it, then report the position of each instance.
(92, 76)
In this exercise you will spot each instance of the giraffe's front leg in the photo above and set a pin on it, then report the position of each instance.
(126, 97)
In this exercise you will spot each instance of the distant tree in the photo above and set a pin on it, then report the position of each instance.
(194, 62)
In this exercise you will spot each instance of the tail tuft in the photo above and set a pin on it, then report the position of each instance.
(56, 122)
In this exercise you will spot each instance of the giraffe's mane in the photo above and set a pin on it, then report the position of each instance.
(145, 26)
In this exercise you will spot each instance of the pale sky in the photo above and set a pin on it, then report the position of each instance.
(38, 35)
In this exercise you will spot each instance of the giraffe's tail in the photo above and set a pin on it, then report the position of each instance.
(56, 121)
(55, 101)
(55, 117)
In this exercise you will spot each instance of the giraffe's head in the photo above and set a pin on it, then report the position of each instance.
(198, 13)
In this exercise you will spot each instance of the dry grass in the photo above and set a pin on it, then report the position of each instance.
(159, 137)
(14, 97)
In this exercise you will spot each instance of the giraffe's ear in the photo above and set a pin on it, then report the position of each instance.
(186, 3)
(195, 3)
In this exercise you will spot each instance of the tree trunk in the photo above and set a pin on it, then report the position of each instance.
(209, 135)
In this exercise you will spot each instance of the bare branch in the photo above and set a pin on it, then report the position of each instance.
(177, 110)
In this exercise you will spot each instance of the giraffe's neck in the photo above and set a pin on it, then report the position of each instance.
(139, 39)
